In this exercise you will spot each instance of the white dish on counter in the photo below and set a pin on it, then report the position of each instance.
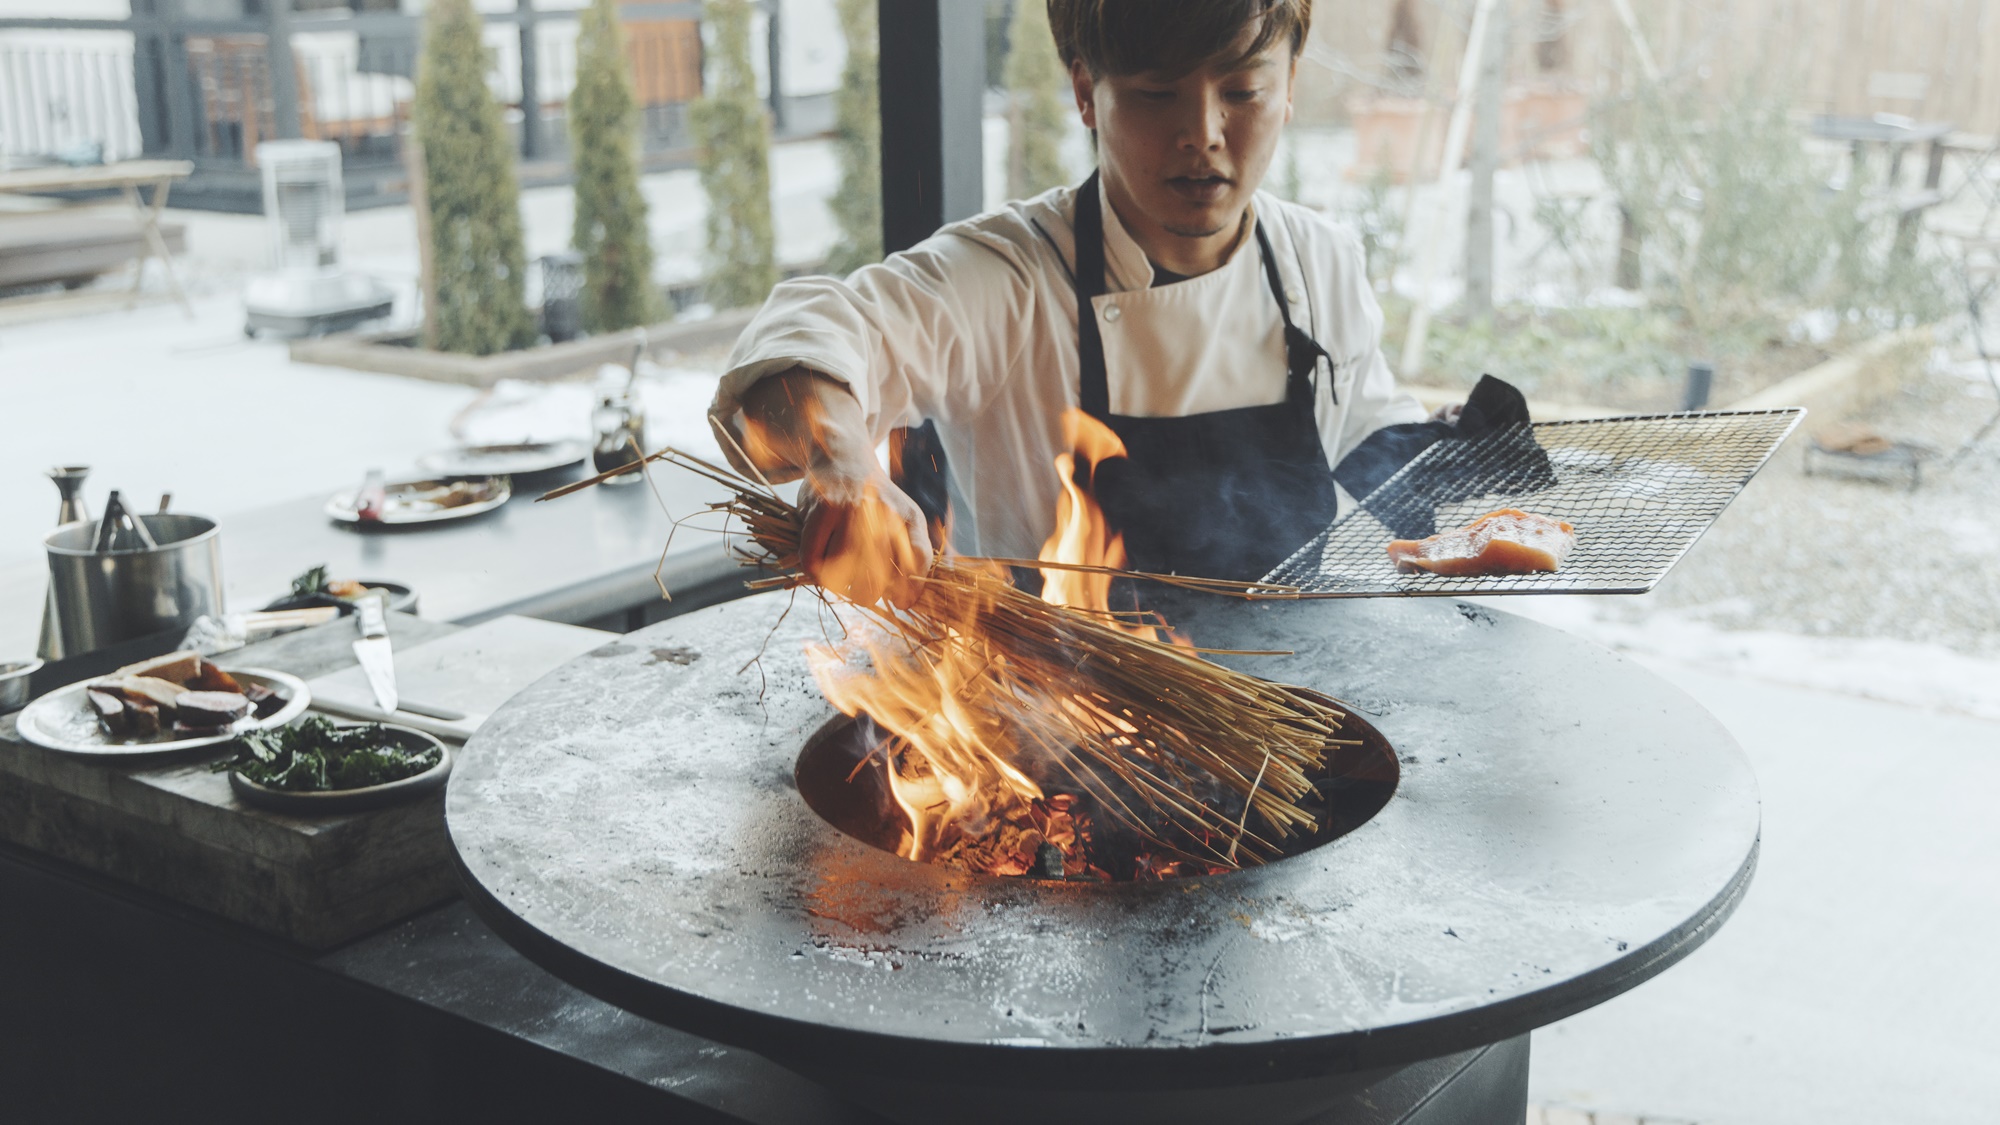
(407, 502)
(62, 719)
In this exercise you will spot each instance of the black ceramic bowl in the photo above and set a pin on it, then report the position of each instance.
(318, 802)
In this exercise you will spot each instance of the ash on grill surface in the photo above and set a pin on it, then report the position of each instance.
(1565, 826)
(842, 774)
(1640, 491)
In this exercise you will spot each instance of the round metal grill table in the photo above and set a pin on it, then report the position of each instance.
(1567, 825)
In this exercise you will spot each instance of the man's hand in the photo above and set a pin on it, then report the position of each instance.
(1448, 414)
(864, 538)
(870, 542)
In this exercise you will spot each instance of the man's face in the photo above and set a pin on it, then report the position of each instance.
(1182, 156)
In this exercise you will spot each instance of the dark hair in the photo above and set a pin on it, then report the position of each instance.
(1120, 37)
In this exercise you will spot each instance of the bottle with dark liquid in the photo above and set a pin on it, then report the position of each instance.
(620, 422)
(619, 434)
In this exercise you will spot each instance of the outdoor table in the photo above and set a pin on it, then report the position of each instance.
(588, 558)
(1897, 135)
(128, 177)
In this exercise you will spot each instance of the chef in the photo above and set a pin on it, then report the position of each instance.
(1229, 338)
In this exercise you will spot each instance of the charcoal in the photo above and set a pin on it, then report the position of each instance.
(1048, 863)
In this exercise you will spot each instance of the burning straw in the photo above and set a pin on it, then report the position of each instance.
(986, 681)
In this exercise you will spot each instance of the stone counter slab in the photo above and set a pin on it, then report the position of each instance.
(171, 826)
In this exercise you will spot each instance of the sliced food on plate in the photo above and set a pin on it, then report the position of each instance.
(1509, 541)
(180, 693)
(418, 501)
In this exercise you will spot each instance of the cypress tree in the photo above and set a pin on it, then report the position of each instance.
(1039, 97)
(735, 140)
(857, 109)
(610, 229)
(475, 204)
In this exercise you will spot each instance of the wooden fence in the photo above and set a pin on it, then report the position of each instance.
(1926, 59)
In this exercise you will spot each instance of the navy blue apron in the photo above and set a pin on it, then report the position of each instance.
(1227, 494)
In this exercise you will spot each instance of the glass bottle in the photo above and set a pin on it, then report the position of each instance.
(619, 430)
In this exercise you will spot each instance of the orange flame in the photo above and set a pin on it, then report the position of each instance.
(1081, 536)
(957, 770)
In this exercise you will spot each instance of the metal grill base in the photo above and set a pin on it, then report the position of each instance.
(1486, 1086)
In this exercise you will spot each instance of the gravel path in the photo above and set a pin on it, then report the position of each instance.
(1832, 556)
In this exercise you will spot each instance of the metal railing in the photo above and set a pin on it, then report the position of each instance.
(209, 90)
(58, 98)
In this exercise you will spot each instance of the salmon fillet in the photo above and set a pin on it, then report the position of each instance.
(1509, 541)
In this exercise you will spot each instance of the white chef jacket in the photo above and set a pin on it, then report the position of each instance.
(975, 328)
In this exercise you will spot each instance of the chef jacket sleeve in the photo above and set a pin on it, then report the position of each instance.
(912, 336)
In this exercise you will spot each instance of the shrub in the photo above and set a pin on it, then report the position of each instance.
(857, 109)
(610, 227)
(1739, 220)
(735, 141)
(1038, 91)
(474, 202)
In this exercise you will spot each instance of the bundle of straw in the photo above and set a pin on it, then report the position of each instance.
(1158, 735)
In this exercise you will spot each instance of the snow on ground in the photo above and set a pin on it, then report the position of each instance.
(1926, 676)
(1855, 984)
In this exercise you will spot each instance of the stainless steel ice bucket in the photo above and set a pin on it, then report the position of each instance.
(102, 599)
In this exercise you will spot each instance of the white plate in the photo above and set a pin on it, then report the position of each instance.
(522, 458)
(62, 719)
(341, 505)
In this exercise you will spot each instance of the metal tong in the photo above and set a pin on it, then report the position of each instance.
(117, 518)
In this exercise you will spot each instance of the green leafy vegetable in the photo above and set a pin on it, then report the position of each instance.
(318, 754)
(311, 583)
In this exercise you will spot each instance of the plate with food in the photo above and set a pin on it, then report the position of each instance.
(179, 701)
(321, 766)
(316, 588)
(431, 500)
(518, 459)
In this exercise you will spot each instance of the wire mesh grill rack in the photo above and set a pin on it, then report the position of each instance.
(1639, 490)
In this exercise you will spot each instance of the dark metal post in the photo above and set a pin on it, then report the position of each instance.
(149, 83)
(531, 92)
(1701, 381)
(164, 75)
(933, 76)
(774, 41)
(283, 67)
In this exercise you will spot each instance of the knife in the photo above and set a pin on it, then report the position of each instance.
(378, 663)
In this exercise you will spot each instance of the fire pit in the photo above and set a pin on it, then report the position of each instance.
(1563, 826)
(842, 775)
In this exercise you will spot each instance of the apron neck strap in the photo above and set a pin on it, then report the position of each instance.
(1094, 393)
(1302, 352)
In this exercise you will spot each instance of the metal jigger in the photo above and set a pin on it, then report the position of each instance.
(69, 482)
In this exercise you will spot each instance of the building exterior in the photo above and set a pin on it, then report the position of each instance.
(207, 80)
